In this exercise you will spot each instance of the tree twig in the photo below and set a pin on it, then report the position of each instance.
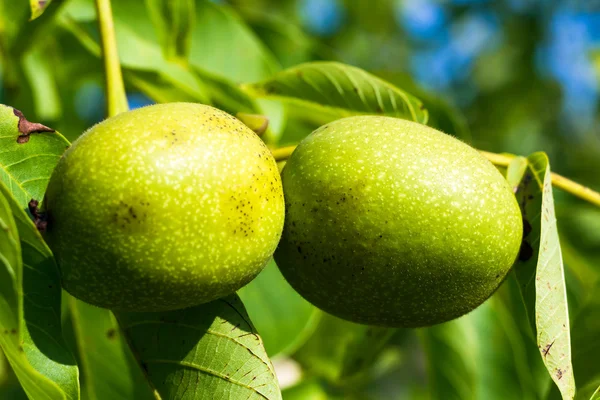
(116, 99)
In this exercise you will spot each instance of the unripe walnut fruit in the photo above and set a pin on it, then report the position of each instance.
(389, 222)
(163, 207)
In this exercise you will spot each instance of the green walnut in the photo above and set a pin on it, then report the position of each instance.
(162, 208)
(389, 222)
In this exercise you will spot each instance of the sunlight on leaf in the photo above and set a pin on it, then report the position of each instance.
(341, 90)
(205, 352)
(541, 275)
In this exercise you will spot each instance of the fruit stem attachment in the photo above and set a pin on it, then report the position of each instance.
(115, 89)
(283, 153)
(258, 123)
(501, 160)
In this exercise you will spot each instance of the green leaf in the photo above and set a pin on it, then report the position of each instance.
(223, 44)
(9, 384)
(161, 80)
(541, 276)
(25, 168)
(216, 28)
(13, 16)
(586, 347)
(38, 7)
(39, 69)
(31, 334)
(452, 359)
(340, 350)
(110, 370)
(443, 114)
(139, 48)
(515, 172)
(165, 88)
(278, 118)
(506, 348)
(596, 394)
(28, 30)
(146, 68)
(339, 90)
(221, 93)
(11, 311)
(286, 38)
(174, 21)
(208, 351)
(226, 95)
(282, 317)
(484, 354)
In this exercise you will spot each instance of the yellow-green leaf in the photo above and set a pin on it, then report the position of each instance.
(541, 275)
(339, 90)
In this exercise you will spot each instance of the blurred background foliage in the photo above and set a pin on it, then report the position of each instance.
(511, 76)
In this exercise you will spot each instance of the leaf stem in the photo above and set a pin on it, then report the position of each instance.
(502, 160)
(115, 89)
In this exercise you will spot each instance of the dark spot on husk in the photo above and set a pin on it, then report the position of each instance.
(111, 333)
(26, 128)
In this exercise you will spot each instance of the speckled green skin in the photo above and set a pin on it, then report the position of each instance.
(164, 207)
(392, 223)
